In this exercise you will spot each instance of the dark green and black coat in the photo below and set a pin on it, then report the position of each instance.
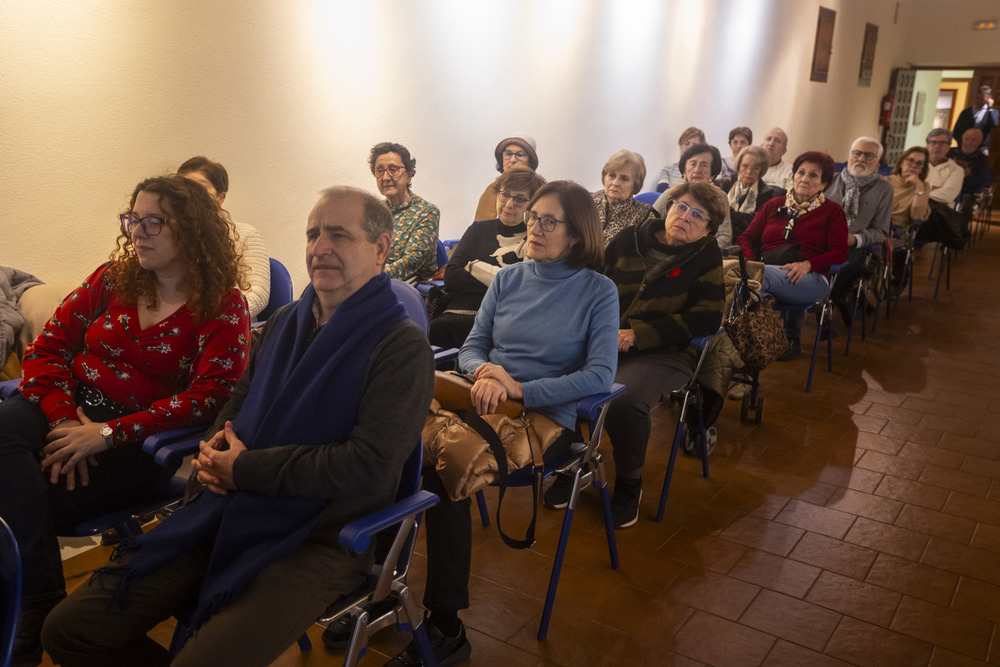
(666, 294)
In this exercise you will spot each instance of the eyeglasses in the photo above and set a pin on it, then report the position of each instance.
(914, 163)
(546, 222)
(696, 214)
(393, 169)
(520, 155)
(519, 201)
(867, 155)
(151, 225)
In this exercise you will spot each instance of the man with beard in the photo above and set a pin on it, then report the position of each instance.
(867, 203)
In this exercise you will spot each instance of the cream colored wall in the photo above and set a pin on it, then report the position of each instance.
(927, 82)
(97, 94)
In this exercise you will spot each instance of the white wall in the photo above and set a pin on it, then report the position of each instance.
(927, 82)
(97, 94)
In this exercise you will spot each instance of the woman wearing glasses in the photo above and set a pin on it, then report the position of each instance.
(911, 192)
(152, 340)
(413, 256)
(545, 335)
(622, 176)
(669, 278)
(798, 238)
(486, 247)
(510, 152)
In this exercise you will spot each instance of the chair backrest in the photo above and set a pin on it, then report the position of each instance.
(442, 254)
(10, 591)
(648, 197)
(281, 290)
(414, 304)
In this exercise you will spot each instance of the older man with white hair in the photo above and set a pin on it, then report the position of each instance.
(867, 203)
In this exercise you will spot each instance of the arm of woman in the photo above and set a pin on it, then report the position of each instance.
(419, 244)
(749, 240)
(258, 265)
(223, 351)
(456, 274)
(476, 350)
(48, 378)
(920, 206)
(598, 370)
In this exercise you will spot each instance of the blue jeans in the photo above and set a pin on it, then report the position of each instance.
(32, 506)
(811, 288)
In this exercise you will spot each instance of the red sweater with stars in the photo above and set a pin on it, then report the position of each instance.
(177, 372)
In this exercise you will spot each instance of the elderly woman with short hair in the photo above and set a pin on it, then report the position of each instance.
(413, 256)
(701, 163)
(739, 138)
(617, 208)
(748, 191)
(510, 153)
(799, 238)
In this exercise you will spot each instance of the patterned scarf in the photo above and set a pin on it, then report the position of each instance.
(852, 192)
(796, 209)
(743, 199)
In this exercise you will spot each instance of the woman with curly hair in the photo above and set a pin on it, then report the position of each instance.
(155, 339)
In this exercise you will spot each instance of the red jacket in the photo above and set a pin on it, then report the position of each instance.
(821, 233)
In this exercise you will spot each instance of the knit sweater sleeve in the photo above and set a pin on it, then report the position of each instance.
(457, 278)
(835, 238)
(251, 247)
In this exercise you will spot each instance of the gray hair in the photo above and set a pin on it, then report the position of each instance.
(377, 218)
(869, 140)
(939, 132)
(758, 154)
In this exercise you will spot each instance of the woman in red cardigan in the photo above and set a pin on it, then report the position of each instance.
(798, 238)
(153, 340)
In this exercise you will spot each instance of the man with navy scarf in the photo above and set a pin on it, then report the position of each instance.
(316, 434)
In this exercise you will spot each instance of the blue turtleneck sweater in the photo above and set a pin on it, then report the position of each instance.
(553, 329)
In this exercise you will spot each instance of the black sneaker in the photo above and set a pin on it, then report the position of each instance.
(449, 651)
(557, 495)
(625, 501)
(338, 634)
(793, 352)
(27, 648)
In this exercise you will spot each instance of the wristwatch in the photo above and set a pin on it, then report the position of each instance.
(107, 432)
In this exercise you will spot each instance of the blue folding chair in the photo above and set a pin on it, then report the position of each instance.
(823, 323)
(10, 591)
(689, 398)
(648, 197)
(281, 290)
(584, 461)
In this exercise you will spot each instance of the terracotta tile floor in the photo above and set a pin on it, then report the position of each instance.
(858, 524)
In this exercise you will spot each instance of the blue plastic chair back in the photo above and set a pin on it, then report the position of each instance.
(442, 254)
(648, 197)
(412, 302)
(10, 591)
(281, 290)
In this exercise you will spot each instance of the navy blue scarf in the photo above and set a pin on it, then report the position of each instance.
(301, 393)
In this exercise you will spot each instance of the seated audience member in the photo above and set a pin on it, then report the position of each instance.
(249, 245)
(669, 278)
(981, 115)
(779, 172)
(617, 208)
(701, 164)
(671, 174)
(944, 176)
(486, 247)
(316, 435)
(910, 190)
(510, 152)
(867, 203)
(538, 340)
(798, 239)
(975, 165)
(152, 340)
(748, 192)
(739, 138)
(413, 256)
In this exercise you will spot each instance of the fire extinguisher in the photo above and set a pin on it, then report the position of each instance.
(886, 115)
